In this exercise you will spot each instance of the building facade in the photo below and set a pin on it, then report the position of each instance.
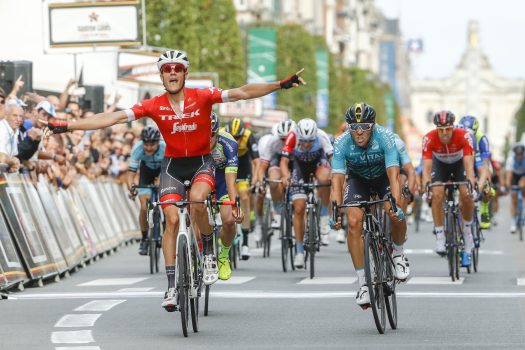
(473, 88)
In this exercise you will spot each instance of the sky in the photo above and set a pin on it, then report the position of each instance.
(442, 24)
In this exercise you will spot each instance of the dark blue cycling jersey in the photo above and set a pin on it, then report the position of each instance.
(138, 155)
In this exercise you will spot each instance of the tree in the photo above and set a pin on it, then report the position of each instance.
(206, 30)
(296, 49)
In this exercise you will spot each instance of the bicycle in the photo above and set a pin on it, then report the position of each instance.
(312, 229)
(154, 218)
(519, 209)
(453, 225)
(189, 271)
(286, 234)
(379, 263)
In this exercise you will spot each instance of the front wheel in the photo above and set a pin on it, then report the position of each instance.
(197, 281)
(374, 279)
(390, 289)
(312, 232)
(183, 282)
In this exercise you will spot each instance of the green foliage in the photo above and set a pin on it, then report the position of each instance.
(295, 50)
(206, 30)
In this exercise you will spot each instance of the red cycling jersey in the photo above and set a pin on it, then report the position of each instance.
(461, 145)
(289, 143)
(187, 135)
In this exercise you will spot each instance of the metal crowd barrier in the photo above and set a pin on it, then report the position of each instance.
(45, 232)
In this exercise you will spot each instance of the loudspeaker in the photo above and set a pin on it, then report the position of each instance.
(93, 99)
(11, 70)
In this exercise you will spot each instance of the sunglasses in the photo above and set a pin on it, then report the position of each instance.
(306, 141)
(444, 129)
(177, 67)
(362, 126)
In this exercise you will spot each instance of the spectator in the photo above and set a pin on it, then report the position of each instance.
(2, 103)
(9, 129)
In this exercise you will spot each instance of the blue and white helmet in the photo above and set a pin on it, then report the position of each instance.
(307, 129)
(173, 56)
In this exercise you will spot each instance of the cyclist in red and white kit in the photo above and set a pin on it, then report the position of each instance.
(448, 155)
(183, 117)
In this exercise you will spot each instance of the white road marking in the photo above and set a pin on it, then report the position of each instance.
(250, 294)
(146, 289)
(99, 305)
(432, 252)
(112, 282)
(521, 281)
(237, 280)
(329, 280)
(77, 320)
(77, 348)
(435, 280)
(73, 337)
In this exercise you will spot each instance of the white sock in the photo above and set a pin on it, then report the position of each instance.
(361, 276)
(398, 249)
(440, 231)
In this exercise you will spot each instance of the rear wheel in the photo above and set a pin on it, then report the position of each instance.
(183, 283)
(152, 248)
(266, 227)
(374, 278)
(206, 299)
(451, 246)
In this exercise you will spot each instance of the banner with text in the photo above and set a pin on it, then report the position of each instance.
(262, 60)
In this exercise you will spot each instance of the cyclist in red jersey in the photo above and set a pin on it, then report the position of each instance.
(448, 155)
(183, 117)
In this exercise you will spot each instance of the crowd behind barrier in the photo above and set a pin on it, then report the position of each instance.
(62, 198)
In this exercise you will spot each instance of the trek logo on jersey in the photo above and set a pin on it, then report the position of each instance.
(184, 128)
(184, 116)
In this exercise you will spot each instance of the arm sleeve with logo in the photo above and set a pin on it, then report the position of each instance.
(135, 156)
(230, 149)
(339, 160)
(214, 95)
(484, 148)
(401, 149)
(427, 147)
(289, 144)
(265, 153)
(140, 110)
(387, 143)
(468, 144)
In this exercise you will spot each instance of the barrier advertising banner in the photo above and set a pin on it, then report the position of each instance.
(11, 267)
(73, 251)
(25, 234)
(44, 227)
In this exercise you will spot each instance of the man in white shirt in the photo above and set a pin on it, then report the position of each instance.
(14, 117)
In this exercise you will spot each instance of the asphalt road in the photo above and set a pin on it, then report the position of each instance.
(114, 303)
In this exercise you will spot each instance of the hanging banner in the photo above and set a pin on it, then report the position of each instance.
(262, 59)
(321, 110)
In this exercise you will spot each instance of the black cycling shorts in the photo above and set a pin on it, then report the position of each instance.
(301, 172)
(359, 189)
(444, 172)
(175, 171)
(516, 179)
(147, 175)
(244, 170)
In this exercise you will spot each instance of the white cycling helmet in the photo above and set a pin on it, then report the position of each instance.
(173, 56)
(307, 129)
(283, 128)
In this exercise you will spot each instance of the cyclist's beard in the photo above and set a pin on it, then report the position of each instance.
(174, 92)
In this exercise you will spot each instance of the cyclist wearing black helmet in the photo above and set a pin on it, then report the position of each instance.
(515, 169)
(367, 158)
(146, 157)
(448, 155)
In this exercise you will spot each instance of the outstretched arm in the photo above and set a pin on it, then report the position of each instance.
(98, 121)
(255, 90)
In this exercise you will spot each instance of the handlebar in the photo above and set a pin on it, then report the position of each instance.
(363, 204)
(453, 184)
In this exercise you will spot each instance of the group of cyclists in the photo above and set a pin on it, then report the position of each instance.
(366, 159)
